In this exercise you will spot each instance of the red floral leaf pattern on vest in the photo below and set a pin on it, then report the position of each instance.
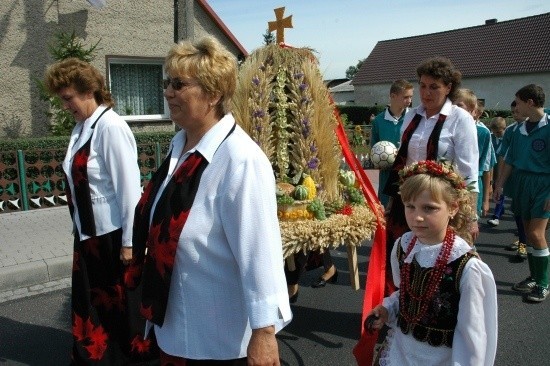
(132, 274)
(140, 345)
(146, 311)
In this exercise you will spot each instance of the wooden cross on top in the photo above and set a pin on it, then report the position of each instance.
(280, 24)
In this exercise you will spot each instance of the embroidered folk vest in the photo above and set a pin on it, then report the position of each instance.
(438, 325)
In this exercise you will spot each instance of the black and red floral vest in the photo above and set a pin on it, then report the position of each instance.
(154, 245)
(79, 174)
(438, 325)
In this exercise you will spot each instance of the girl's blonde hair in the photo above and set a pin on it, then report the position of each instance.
(208, 62)
(444, 186)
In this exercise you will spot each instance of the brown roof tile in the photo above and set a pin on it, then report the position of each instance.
(509, 47)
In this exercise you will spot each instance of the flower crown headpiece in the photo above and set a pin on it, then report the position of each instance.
(440, 169)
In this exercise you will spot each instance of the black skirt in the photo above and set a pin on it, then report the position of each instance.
(106, 324)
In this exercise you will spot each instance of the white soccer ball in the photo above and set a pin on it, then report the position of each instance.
(382, 154)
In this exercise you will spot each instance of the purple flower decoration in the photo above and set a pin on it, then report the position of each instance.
(305, 127)
(298, 75)
(255, 81)
(303, 87)
(312, 148)
(258, 113)
(313, 163)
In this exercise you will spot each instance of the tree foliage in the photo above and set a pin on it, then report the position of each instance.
(69, 45)
(65, 46)
(269, 38)
(352, 70)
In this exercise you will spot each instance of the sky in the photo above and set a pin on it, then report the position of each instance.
(342, 32)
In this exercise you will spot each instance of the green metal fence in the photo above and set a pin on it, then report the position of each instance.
(34, 179)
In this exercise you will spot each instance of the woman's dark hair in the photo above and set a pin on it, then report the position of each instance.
(443, 69)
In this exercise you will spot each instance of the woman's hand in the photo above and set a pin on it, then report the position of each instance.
(262, 348)
(126, 255)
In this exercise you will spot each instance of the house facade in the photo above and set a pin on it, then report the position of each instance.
(343, 93)
(495, 59)
(134, 36)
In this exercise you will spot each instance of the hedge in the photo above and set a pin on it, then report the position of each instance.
(61, 142)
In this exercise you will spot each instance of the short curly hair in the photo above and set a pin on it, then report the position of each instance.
(441, 68)
(210, 63)
(82, 76)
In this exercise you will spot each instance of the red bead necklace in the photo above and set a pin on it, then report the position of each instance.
(435, 277)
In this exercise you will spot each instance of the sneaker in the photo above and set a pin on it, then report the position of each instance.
(522, 251)
(538, 294)
(513, 247)
(493, 222)
(525, 286)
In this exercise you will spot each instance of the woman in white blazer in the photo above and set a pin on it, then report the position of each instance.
(103, 188)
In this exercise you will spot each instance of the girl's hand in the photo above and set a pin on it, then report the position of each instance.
(376, 319)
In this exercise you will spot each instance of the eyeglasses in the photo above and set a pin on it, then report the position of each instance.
(176, 83)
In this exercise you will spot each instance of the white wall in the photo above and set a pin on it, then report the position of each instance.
(124, 28)
(497, 91)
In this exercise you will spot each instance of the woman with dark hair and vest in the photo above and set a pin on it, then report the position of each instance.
(103, 188)
(214, 289)
(435, 130)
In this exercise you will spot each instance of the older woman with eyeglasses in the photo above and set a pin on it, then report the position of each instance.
(214, 289)
(103, 187)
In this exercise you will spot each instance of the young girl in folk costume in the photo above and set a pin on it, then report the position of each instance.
(445, 310)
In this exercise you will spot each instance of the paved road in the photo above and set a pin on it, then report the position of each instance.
(36, 330)
(35, 252)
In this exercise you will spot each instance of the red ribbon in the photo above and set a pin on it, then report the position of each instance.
(376, 275)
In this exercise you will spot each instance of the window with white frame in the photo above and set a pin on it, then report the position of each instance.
(136, 86)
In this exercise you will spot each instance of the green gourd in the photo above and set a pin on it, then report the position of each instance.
(301, 192)
(347, 178)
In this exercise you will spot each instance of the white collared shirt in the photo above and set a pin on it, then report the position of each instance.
(543, 122)
(457, 142)
(228, 275)
(390, 118)
(113, 172)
